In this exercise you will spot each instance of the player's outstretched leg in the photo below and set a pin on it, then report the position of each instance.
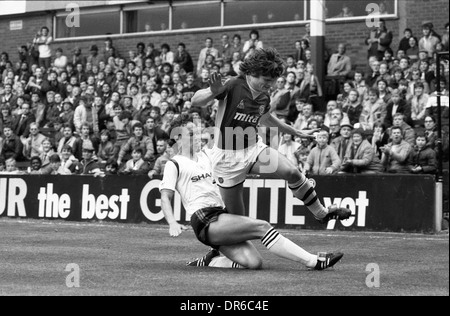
(300, 186)
(230, 230)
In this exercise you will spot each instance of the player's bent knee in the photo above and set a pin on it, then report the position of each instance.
(254, 263)
(292, 175)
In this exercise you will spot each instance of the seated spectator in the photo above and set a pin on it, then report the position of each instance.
(353, 107)
(343, 141)
(413, 50)
(422, 157)
(158, 168)
(35, 166)
(32, 146)
(111, 168)
(124, 129)
(11, 167)
(380, 138)
(360, 84)
(21, 126)
(305, 113)
(47, 152)
(418, 105)
(323, 159)
(88, 166)
(288, 147)
(374, 109)
(383, 92)
(431, 107)
(331, 105)
(408, 132)
(343, 96)
(138, 140)
(57, 168)
(68, 160)
(106, 149)
(384, 72)
(335, 127)
(395, 157)
(302, 153)
(397, 105)
(280, 99)
(85, 114)
(86, 136)
(12, 146)
(360, 156)
(136, 165)
(6, 116)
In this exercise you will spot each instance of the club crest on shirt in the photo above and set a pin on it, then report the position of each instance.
(262, 109)
(241, 105)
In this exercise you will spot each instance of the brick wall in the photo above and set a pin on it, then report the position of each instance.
(412, 13)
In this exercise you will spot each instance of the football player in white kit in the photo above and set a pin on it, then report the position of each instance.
(189, 173)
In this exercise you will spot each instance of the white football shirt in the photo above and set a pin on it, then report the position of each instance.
(193, 181)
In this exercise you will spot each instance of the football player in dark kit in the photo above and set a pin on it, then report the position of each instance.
(244, 104)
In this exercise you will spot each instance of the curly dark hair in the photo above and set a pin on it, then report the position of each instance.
(265, 62)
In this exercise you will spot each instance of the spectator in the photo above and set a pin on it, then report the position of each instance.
(288, 147)
(371, 80)
(57, 168)
(67, 114)
(379, 40)
(360, 156)
(109, 50)
(397, 105)
(360, 84)
(353, 107)
(12, 146)
(422, 157)
(343, 141)
(413, 50)
(86, 136)
(111, 168)
(208, 50)
(418, 105)
(237, 46)
(6, 117)
(88, 165)
(428, 42)
(167, 56)
(431, 107)
(94, 58)
(69, 139)
(380, 138)
(183, 58)
(138, 140)
(86, 113)
(68, 160)
(445, 38)
(408, 133)
(396, 153)
(226, 50)
(160, 163)
(404, 42)
(345, 12)
(11, 167)
(252, 43)
(136, 165)
(60, 61)
(323, 159)
(374, 109)
(106, 149)
(339, 64)
(32, 146)
(77, 57)
(43, 40)
(305, 112)
(35, 166)
(280, 99)
(47, 152)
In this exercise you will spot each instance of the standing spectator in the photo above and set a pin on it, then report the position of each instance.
(422, 157)
(167, 56)
(43, 40)
(60, 61)
(380, 138)
(226, 50)
(428, 42)
(397, 105)
(374, 109)
(21, 126)
(323, 159)
(353, 107)
(86, 113)
(339, 64)
(207, 50)
(379, 40)
(280, 99)
(404, 42)
(183, 58)
(408, 133)
(360, 156)
(344, 141)
(418, 104)
(252, 43)
(12, 146)
(396, 153)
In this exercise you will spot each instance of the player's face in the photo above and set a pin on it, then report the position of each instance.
(261, 83)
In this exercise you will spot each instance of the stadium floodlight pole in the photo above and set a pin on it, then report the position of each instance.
(439, 176)
(317, 39)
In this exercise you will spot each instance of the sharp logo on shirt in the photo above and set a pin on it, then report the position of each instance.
(246, 118)
(201, 177)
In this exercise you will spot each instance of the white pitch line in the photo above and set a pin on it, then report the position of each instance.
(158, 227)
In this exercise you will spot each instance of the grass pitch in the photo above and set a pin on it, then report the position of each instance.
(119, 259)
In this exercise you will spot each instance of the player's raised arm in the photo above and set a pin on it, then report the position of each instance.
(202, 97)
(269, 120)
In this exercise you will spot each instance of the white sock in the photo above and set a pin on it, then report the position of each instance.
(224, 262)
(285, 248)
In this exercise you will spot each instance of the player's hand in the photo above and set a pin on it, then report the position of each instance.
(175, 229)
(215, 84)
(307, 133)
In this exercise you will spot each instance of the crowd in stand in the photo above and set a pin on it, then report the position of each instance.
(103, 113)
